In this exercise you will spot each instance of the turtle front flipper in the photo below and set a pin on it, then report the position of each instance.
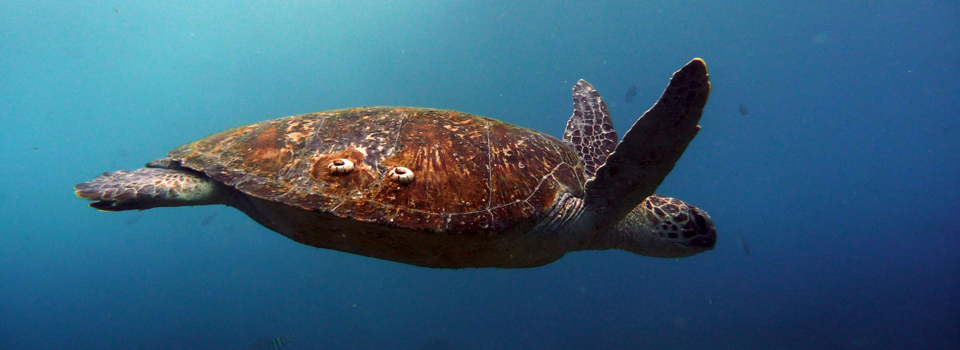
(150, 188)
(590, 128)
(650, 149)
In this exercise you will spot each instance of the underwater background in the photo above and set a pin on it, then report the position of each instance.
(829, 160)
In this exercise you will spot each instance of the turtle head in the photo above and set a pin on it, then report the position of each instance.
(664, 227)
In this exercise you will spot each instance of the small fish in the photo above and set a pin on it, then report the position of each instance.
(208, 219)
(631, 93)
(133, 218)
(744, 246)
(744, 111)
(275, 343)
(279, 343)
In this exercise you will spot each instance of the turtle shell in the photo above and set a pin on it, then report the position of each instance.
(472, 175)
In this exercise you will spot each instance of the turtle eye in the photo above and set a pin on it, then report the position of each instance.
(401, 175)
(340, 166)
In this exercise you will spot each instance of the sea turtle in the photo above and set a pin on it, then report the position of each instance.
(440, 188)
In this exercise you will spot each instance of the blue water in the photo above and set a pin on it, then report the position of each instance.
(844, 178)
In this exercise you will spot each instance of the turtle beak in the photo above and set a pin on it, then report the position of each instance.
(705, 235)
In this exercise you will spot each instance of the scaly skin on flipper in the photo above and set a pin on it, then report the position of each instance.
(649, 150)
(149, 188)
(590, 129)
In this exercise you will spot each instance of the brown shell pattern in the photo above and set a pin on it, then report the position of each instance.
(472, 174)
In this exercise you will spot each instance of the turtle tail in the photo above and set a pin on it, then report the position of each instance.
(150, 188)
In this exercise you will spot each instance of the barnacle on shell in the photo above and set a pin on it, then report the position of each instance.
(401, 175)
(340, 166)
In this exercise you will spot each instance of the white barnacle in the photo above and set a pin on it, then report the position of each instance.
(401, 175)
(340, 166)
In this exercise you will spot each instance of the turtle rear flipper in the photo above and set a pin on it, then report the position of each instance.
(150, 188)
(650, 149)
